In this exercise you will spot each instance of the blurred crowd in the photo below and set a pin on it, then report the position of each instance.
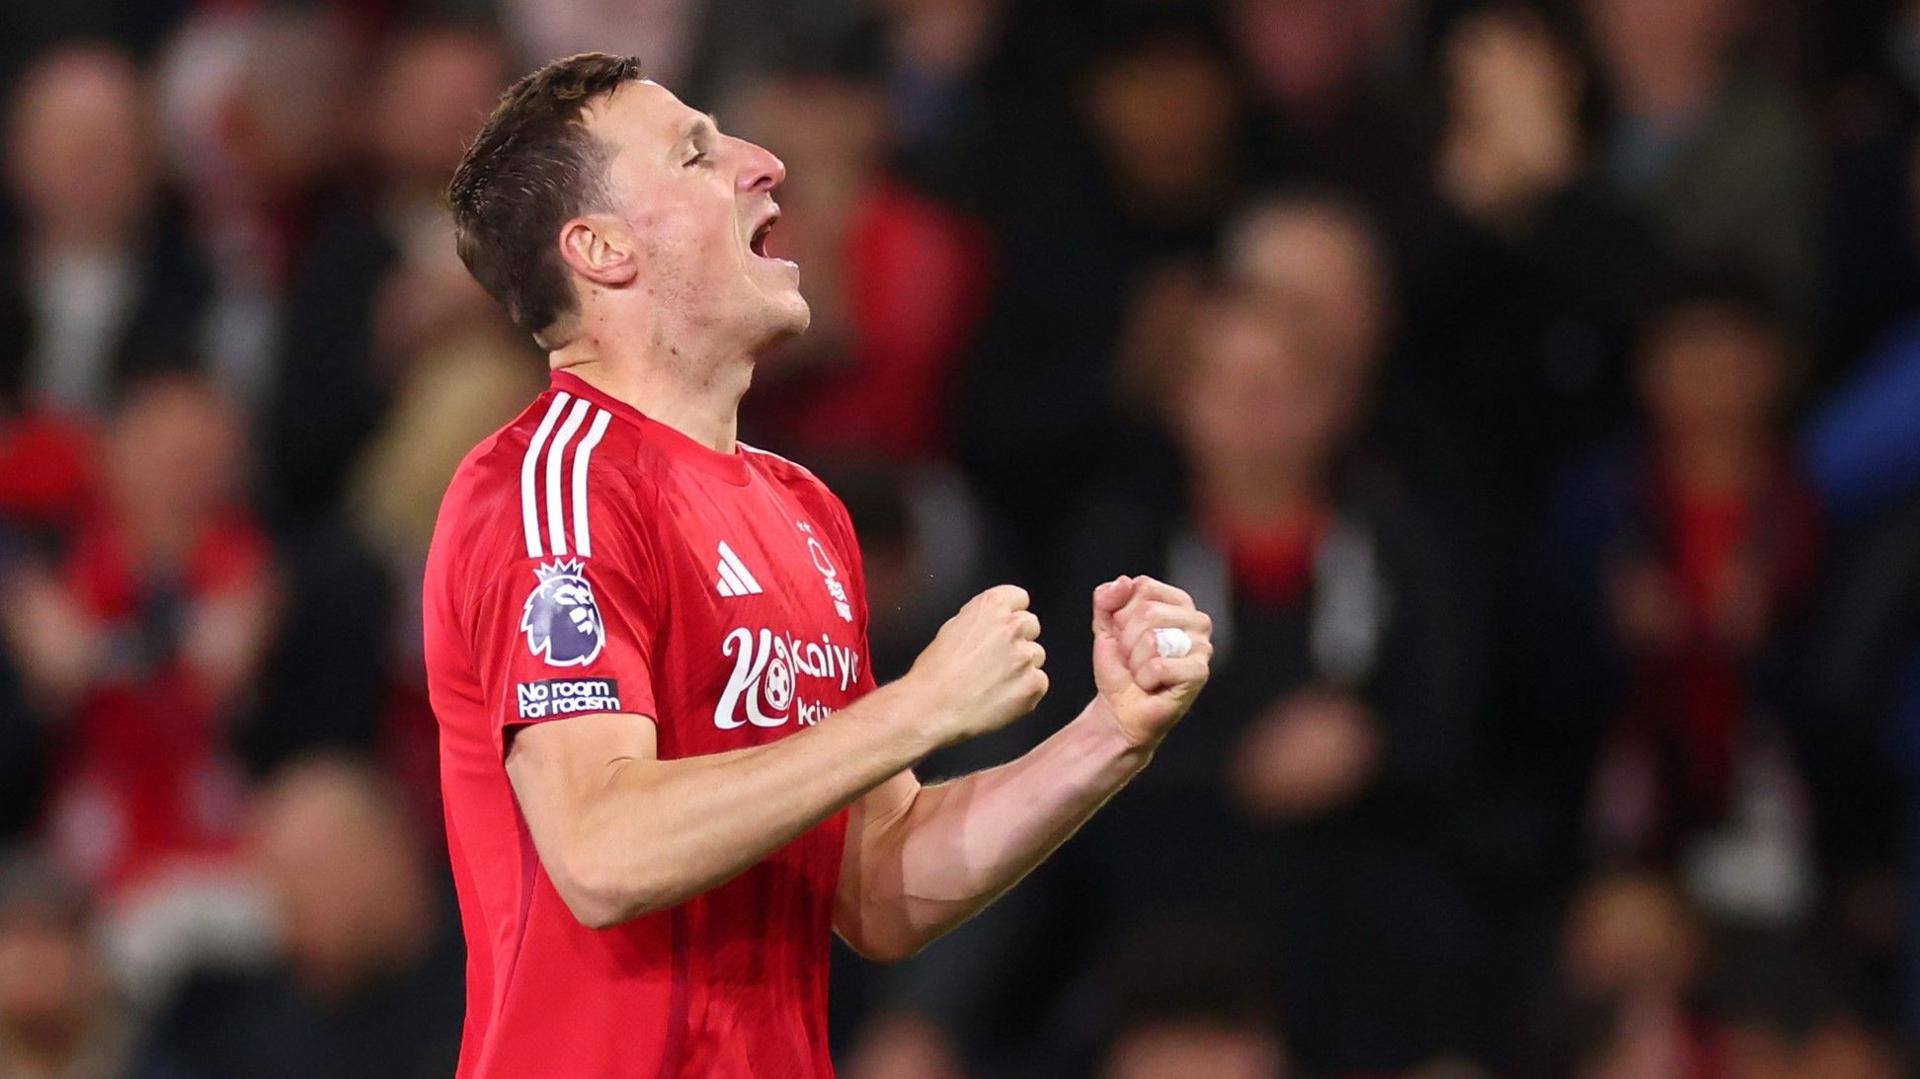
(1530, 390)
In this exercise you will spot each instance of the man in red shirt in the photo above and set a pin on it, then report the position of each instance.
(668, 772)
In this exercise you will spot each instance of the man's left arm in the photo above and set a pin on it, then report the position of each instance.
(920, 860)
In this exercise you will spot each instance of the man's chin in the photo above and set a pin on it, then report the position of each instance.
(785, 318)
(791, 315)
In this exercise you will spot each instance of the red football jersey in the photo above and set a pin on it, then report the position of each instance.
(590, 560)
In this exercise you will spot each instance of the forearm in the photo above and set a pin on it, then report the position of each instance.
(665, 831)
(955, 847)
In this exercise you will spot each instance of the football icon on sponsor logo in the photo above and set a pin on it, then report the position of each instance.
(561, 620)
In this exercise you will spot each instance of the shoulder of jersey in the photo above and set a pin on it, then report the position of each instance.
(782, 469)
(538, 475)
(811, 489)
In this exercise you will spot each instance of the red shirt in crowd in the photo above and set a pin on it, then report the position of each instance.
(145, 779)
(589, 560)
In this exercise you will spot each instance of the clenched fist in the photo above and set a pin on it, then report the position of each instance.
(982, 670)
(1147, 692)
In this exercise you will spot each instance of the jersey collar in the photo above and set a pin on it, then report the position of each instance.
(731, 467)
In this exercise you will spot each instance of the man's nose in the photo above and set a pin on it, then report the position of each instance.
(759, 169)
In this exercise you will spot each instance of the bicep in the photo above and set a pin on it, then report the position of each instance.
(558, 768)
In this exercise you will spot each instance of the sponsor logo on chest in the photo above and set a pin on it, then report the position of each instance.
(765, 689)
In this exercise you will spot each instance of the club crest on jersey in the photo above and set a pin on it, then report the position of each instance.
(835, 590)
(561, 620)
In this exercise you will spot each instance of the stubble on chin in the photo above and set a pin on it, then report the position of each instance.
(782, 320)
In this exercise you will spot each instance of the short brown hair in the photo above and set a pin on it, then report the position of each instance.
(533, 166)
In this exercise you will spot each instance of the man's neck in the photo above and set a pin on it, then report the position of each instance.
(698, 396)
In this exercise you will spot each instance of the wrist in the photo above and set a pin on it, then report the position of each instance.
(919, 717)
(1105, 724)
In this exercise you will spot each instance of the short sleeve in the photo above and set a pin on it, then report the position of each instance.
(563, 637)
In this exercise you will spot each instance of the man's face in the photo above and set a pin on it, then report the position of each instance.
(1322, 271)
(700, 205)
(79, 163)
(1707, 373)
(1634, 34)
(1261, 394)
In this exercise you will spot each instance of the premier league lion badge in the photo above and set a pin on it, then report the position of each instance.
(561, 620)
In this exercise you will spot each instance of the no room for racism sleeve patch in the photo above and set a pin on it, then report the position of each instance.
(551, 697)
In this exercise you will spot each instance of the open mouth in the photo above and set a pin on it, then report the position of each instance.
(758, 243)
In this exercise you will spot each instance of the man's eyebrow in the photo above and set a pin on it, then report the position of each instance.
(705, 126)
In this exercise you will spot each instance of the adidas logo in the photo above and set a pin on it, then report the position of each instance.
(735, 580)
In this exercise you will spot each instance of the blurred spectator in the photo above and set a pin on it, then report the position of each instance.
(936, 57)
(1321, 260)
(380, 286)
(1040, 421)
(660, 32)
(59, 1017)
(369, 983)
(1521, 278)
(895, 283)
(1627, 1005)
(112, 288)
(253, 106)
(1695, 548)
(1717, 147)
(142, 644)
(1315, 782)
(1334, 79)
(1189, 1006)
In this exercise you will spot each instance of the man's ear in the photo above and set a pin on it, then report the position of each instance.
(599, 247)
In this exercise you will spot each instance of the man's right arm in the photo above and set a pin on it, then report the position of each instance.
(622, 833)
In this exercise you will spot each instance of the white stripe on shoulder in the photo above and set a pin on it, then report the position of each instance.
(556, 454)
(582, 534)
(529, 503)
